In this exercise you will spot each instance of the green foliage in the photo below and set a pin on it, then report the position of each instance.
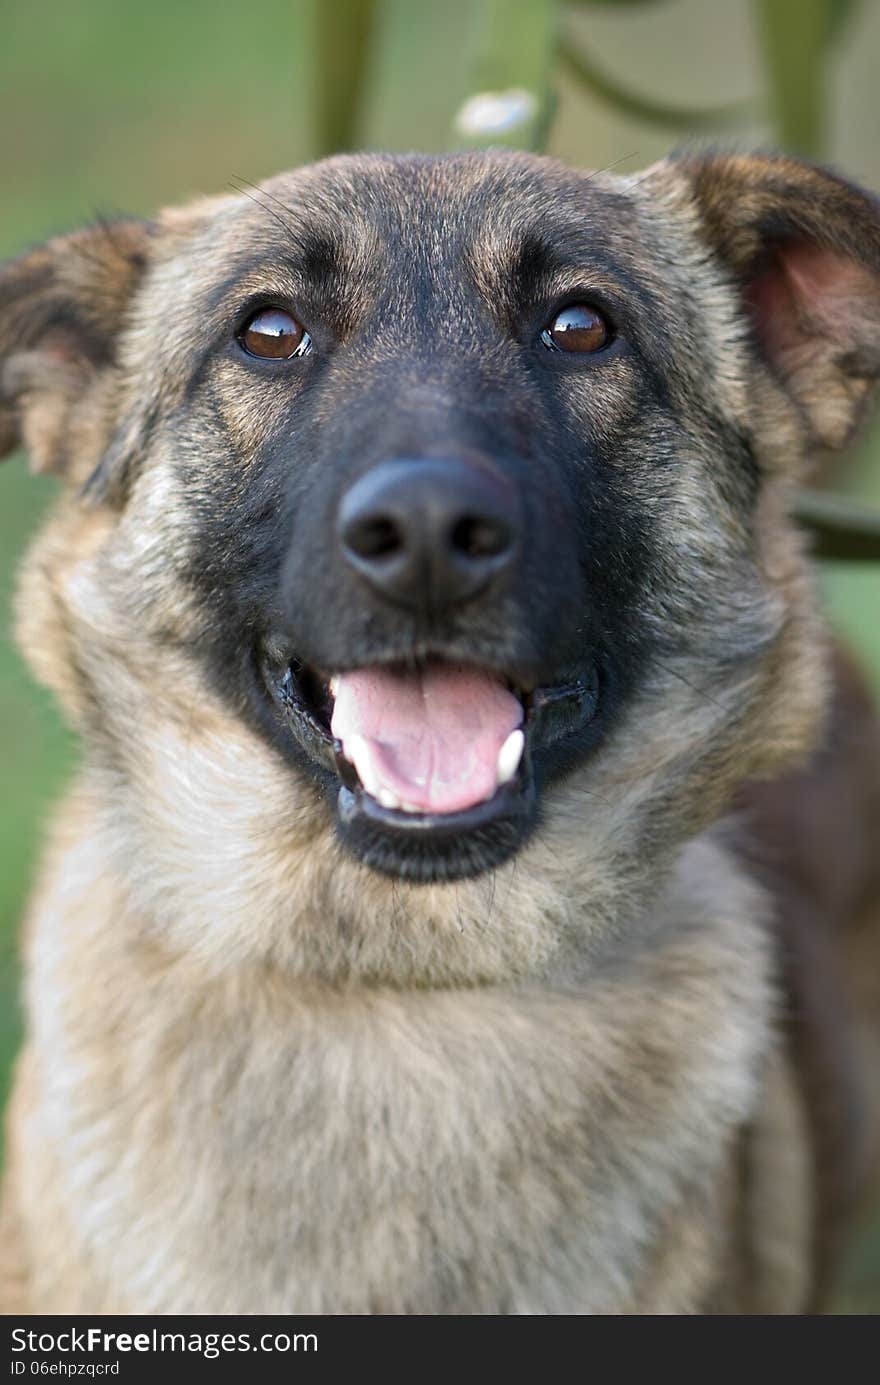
(512, 52)
(616, 4)
(638, 107)
(794, 41)
(515, 47)
(343, 35)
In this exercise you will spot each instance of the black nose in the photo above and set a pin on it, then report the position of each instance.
(431, 533)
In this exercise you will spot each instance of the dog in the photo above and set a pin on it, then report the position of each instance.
(468, 900)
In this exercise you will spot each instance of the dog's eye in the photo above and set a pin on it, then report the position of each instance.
(274, 335)
(577, 328)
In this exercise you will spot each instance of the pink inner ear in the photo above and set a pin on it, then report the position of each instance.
(807, 291)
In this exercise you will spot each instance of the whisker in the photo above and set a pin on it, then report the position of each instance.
(259, 201)
(638, 181)
(492, 899)
(594, 173)
(286, 211)
(270, 196)
(701, 692)
(510, 883)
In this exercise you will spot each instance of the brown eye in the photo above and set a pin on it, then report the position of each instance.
(577, 328)
(274, 335)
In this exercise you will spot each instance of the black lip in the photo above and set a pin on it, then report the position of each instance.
(428, 847)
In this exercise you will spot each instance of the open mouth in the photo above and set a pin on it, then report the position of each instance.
(432, 761)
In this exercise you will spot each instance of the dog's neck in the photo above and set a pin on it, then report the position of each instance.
(395, 1098)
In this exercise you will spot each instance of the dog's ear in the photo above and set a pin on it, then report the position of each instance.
(804, 248)
(62, 308)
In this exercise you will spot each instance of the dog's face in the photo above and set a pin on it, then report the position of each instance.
(422, 568)
(457, 485)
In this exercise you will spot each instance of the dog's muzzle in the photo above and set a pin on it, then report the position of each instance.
(432, 754)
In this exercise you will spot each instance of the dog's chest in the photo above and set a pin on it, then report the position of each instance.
(464, 1152)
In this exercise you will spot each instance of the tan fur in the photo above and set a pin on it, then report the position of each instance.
(259, 1078)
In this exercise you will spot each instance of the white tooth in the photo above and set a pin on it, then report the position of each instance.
(388, 798)
(357, 750)
(334, 684)
(509, 756)
(410, 807)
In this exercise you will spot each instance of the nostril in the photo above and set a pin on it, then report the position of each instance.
(429, 533)
(376, 537)
(475, 536)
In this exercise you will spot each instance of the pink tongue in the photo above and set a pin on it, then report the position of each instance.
(428, 739)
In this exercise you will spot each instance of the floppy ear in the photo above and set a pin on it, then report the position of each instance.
(804, 247)
(62, 308)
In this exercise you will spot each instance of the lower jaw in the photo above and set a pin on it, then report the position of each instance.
(429, 848)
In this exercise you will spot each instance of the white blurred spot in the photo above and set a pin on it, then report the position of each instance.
(496, 112)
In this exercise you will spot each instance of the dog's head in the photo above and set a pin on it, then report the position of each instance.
(453, 492)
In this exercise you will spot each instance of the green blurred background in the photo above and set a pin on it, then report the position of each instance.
(108, 107)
